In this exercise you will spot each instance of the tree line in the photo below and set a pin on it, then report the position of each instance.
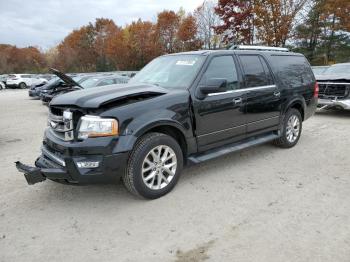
(320, 29)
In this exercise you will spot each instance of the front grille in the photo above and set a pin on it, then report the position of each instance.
(333, 90)
(61, 123)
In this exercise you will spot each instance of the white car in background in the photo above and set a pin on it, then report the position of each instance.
(24, 80)
(2, 85)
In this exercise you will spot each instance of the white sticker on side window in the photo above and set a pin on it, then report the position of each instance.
(186, 62)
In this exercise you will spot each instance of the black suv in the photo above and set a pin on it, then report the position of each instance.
(180, 109)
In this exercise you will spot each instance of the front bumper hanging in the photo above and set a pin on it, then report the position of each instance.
(33, 175)
(37, 174)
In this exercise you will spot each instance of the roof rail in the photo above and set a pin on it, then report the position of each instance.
(260, 48)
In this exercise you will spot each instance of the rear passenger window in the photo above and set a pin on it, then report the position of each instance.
(293, 71)
(222, 67)
(255, 70)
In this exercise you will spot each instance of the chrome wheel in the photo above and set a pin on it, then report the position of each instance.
(159, 167)
(293, 129)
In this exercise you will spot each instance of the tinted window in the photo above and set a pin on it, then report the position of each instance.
(267, 71)
(222, 67)
(254, 72)
(293, 71)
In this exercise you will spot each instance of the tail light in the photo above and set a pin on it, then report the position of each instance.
(316, 90)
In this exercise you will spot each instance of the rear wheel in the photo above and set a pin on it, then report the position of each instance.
(22, 85)
(291, 129)
(154, 166)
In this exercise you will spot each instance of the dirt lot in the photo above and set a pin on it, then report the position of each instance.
(262, 204)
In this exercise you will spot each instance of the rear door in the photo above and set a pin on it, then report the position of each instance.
(220, 117)
(263, 96)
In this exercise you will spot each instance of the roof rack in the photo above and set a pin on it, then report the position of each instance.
(260, 48)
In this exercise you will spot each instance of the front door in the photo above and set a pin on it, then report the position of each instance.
(220, 117)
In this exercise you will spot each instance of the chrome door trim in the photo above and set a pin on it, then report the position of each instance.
(220, 131)
(242, 90)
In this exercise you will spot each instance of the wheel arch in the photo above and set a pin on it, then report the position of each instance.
(168, 128)
(299, 105)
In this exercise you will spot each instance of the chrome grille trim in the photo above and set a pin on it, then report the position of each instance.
(53, 157)
(62, 125)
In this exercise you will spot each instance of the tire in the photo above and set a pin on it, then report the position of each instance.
(22, 85)
(145, 170)
(290, 138)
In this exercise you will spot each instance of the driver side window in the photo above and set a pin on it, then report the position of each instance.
(222, 67)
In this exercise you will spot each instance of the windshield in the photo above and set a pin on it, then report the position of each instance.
(52, 80)
(338, 69)
(90, 82)
(174, 71)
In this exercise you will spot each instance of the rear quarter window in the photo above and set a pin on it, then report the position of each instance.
(292, 71)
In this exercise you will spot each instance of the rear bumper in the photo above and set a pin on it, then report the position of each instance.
(344, 104)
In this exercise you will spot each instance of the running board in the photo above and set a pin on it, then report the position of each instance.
(227, 149)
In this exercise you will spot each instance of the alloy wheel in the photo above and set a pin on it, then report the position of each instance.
(293, 128)
(159, 167)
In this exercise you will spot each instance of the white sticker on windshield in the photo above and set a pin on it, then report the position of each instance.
(186, 62)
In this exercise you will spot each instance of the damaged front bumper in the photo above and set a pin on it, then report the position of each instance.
(35, 175)
(334, 103)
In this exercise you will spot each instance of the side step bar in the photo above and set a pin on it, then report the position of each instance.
(227, 149)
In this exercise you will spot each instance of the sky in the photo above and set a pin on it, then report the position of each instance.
(44, 23)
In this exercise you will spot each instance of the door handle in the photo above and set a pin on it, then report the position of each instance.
(237, 101)
(277, 93)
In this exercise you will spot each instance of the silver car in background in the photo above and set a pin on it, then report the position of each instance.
(334, 87)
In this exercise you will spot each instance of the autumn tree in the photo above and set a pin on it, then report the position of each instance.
(77, 51)
(187, 34)
(167, 26)
(274, 20)
(207, 20)
(238, 21)
(18, 60)
(104, 31)
(142, 44)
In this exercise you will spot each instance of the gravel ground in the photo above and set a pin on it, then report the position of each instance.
(262, 204)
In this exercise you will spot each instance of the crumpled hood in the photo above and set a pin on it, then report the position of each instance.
(345, 77)
(100, 96)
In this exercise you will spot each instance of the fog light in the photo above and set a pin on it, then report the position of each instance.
(88, 164)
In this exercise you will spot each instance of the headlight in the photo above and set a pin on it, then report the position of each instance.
(94, 126)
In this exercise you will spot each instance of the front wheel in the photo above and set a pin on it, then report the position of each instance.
(291, 129)
(154, 166)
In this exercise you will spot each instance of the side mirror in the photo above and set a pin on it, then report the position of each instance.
(213, 85)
